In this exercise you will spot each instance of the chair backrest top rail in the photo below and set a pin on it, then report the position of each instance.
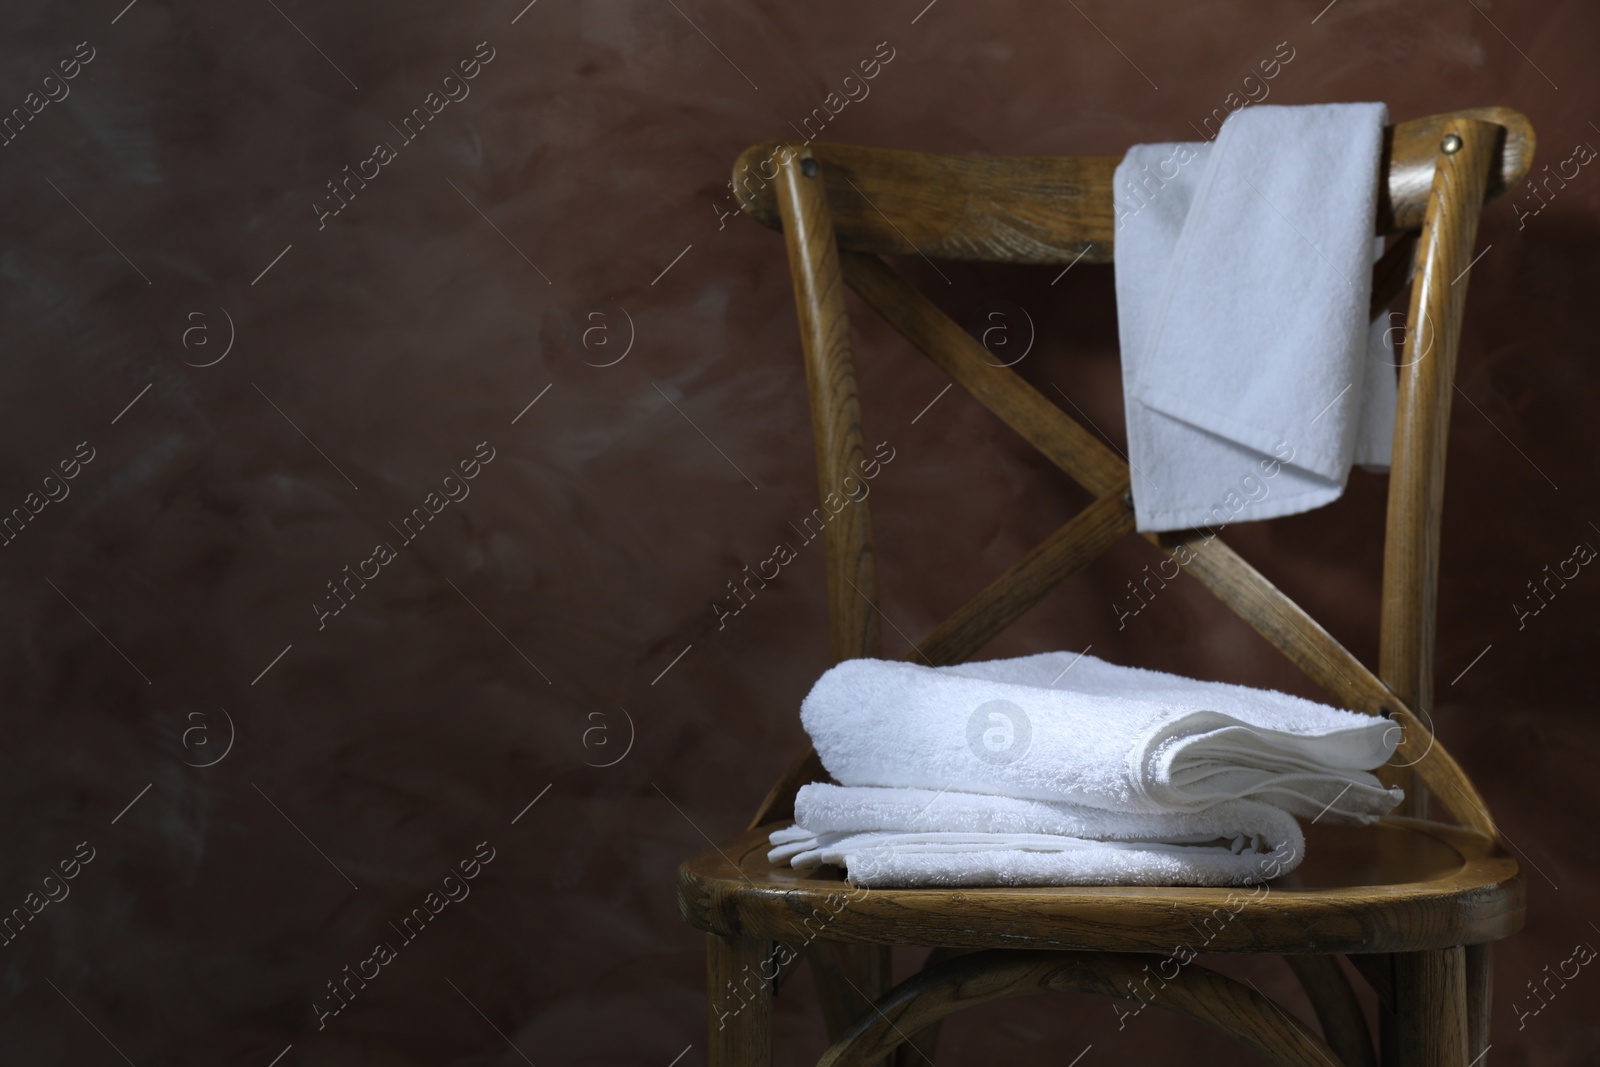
(1052, 209)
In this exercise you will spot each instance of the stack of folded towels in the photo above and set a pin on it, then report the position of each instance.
(1063, 769)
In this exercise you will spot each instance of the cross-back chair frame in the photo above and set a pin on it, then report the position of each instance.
(842, 208)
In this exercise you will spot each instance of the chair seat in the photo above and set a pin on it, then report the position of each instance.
(1400, 885)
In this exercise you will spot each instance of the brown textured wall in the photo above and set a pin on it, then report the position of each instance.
(539, 626)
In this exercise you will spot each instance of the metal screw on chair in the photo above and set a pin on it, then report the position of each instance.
(1450, 145)
(1127, 499)
(808, 167)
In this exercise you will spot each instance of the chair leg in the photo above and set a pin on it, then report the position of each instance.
(1428, 1026)
(1480, 988)
(850, 977)
(738, 1002)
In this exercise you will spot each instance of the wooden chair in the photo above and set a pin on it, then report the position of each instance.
(1414, 903)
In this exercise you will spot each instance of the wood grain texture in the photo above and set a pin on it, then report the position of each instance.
(1428, 1027)
(1344, 1027)
(1051, 210)
(1438, 886)
(984, 977)
(738, 1003)
(1410, 152)
(1009, 210)
(1480, 998)
(835, 408)
(1422, 424)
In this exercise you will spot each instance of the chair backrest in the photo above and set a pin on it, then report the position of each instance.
(842, 207)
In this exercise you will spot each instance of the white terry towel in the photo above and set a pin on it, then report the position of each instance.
(910, 837)
(1252, 378)
(1075, 729)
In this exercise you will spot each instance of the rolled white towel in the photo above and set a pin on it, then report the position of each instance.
(1073, 728)
(915, 837)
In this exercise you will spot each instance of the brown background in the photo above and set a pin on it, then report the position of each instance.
(598, 142)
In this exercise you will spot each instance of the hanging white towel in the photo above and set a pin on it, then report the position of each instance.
(1252, 378)
(1076, 729)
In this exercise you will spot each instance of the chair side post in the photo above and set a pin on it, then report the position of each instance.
(835, 404)
(841, 462)
(1427, 379)
(807, 223)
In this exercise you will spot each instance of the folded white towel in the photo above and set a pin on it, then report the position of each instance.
(1075, 729)
(884, 860)
(1252, 378)
(908, 837)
